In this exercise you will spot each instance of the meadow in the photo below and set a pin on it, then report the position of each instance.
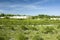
(29, 29)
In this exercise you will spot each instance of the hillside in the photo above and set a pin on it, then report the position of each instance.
(29, 29)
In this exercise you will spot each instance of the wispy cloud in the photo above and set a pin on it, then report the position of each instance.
(30, 6)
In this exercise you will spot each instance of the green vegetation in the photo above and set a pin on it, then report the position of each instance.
(29, 29)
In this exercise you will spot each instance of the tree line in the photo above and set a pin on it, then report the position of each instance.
(33, 17)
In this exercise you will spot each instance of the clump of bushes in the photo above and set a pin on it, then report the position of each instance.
(58, 37)
(38, 37)
(49, 30)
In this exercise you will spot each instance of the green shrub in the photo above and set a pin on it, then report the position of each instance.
(2, 38)
(38, 37)
(58, 37)
(49, 30)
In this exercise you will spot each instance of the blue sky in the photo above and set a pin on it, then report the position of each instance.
(30, 7)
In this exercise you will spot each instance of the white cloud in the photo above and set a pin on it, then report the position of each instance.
(44, 1)
(33, 7)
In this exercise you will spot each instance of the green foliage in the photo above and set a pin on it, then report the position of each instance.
(58, 26)
(1, 38)
(29, 29)
(23, 27)
(2, 14)
(49, 30)
(38, 37)
(58, 37)
(6, 17)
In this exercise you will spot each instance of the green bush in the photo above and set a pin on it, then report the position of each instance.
(38, 37)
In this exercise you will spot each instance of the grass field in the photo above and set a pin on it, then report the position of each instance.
(29, 29)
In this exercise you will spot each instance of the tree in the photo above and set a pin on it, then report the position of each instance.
(2, 14)
(7, 17)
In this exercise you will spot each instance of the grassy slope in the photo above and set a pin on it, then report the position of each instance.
(29, 29)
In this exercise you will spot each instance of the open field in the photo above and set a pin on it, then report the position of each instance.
(29, 29)
(29, 19)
